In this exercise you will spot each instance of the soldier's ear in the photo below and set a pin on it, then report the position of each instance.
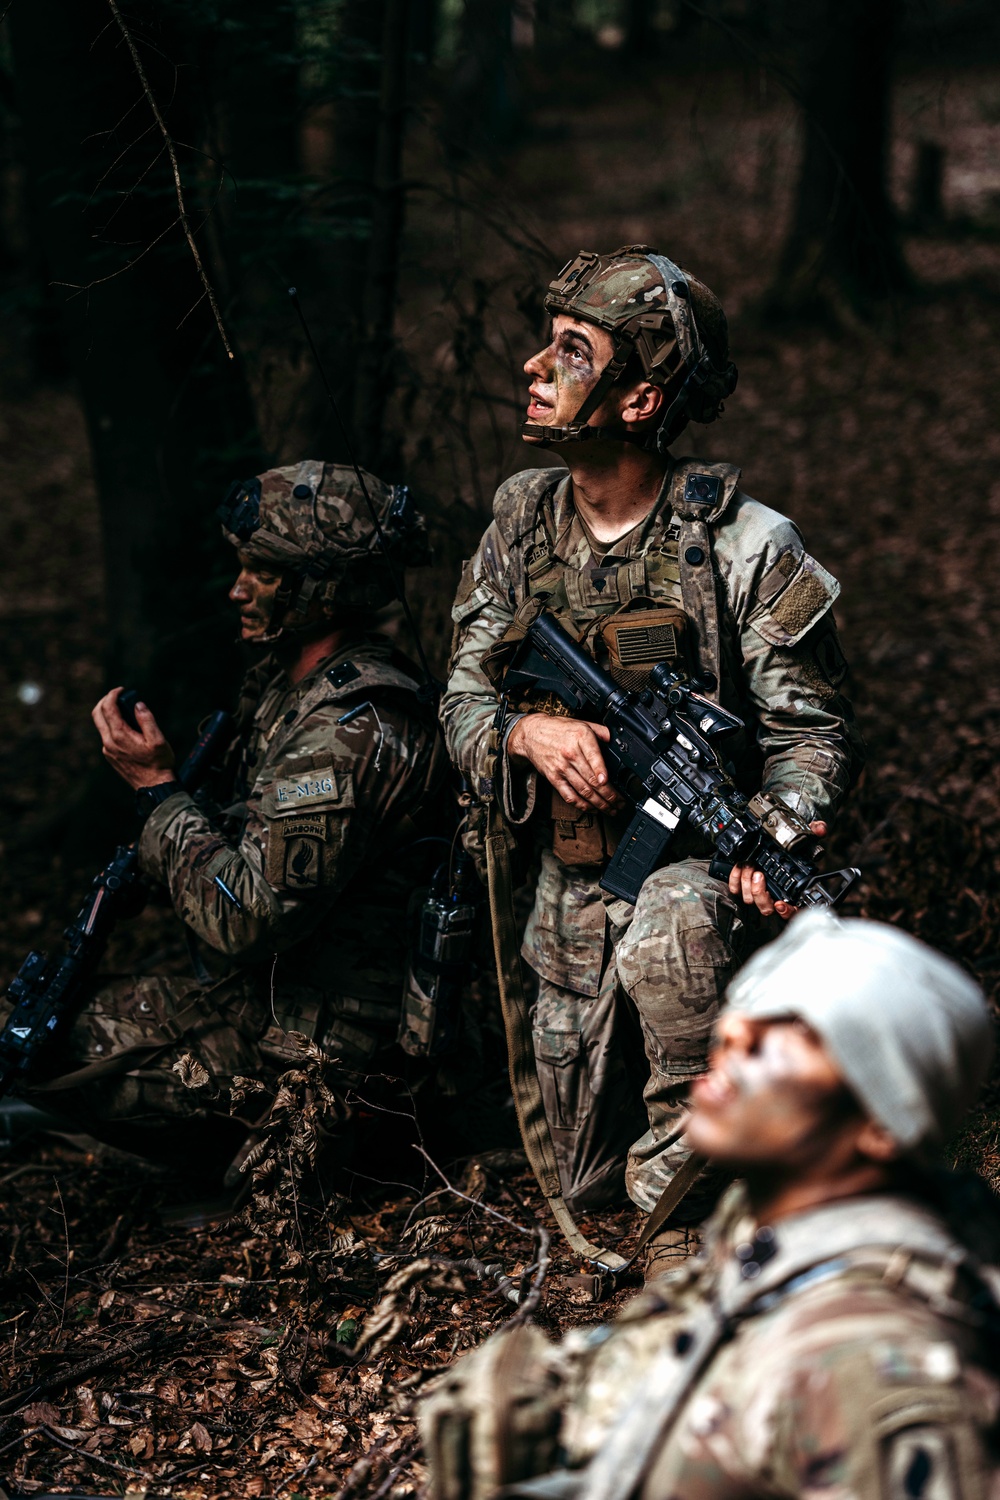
(875, 1142)
(642, 402)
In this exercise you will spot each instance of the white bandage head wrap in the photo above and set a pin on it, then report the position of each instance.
(907, 1028)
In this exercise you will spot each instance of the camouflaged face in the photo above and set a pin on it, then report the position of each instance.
(314, 519)
(673, 320)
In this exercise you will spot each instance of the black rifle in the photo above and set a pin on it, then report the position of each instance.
(49, 992)
(662, 757)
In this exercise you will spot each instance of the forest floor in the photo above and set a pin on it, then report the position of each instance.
(145, 1352)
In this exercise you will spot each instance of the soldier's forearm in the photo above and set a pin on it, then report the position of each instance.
(812, 777)
(215, 887)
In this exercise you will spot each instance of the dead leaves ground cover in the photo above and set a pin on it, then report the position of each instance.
(137, 1354)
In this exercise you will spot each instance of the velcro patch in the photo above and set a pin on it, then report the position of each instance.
(800, 603)
(319, 787)
(296, 853)
(793, 606)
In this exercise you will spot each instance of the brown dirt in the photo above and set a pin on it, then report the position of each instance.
(881, 443)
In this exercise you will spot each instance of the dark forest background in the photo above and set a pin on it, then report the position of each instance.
(419, 169)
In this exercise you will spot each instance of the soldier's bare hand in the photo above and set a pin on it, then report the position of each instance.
(568, 754)
(748, 882)
(141, 759)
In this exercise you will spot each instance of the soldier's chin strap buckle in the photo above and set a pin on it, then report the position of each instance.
(534, 432)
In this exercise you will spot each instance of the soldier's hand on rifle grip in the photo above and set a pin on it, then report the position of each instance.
(568, 754)
(747, 882)
(141, 759)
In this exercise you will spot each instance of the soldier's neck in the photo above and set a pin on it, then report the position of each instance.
(305, 656)
(614, 486)
(772, 1199)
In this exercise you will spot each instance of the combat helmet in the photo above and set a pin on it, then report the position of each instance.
(658, 315)
(310, 521)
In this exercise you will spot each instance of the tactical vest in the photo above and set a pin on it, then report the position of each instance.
(661, 605)
(675, 568)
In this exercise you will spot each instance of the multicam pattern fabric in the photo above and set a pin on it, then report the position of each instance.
(846, 1365)
(759, 612)
(302, 885)
(300, 876)
(850, 1384)
(314, 520)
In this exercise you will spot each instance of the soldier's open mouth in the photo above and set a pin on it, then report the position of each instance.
(537, 405)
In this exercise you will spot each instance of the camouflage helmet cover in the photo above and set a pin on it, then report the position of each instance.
(310, 521)
(658, 313)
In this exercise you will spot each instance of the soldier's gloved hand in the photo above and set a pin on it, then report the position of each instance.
(143, 759)
(748, 882)
(568, 754)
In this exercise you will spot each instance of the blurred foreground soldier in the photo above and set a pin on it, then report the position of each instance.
(644, 558)
(302, 882)
(837, 1334)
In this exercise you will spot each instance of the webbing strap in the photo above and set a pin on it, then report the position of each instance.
(520, 1052)
(677, 1188)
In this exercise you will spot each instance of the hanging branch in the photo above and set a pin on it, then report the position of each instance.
(182, 212)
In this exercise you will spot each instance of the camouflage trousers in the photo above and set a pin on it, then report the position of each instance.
(149, 1063)
(666, 965)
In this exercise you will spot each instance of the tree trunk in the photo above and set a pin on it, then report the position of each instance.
(375, 356)
(483, 106)
(842, 253)
(169, 417)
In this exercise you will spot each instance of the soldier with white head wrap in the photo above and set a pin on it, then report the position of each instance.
(837, 1335)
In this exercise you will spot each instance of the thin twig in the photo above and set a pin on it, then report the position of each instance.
(93, 1458)
(476, 1203)
(409, 1452)
(311, 1464)
(74, 1374)
(62, 1210)
(182, 212)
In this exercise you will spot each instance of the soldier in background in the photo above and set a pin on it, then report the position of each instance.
(644, 557)
(300, 884)
(837, 1334)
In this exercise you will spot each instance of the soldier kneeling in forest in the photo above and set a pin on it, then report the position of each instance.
(837, 1334)
(302, 881)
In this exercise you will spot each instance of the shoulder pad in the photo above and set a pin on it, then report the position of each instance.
(516, 502)
(365, 675)
(343, 673)
(355, 678)
(700, 491)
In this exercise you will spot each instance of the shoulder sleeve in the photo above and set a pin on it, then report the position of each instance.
(314, 815)
(781, 600)
(488, 595)
(888, 1418)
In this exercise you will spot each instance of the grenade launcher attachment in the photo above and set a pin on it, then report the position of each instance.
(662, 757)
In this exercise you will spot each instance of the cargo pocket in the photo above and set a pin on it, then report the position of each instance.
(563, 1076)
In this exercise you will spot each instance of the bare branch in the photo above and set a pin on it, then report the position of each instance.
(182, 212)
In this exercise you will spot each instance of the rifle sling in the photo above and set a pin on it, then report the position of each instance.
(531, 1117)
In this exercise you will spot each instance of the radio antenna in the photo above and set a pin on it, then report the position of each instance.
(431, 685)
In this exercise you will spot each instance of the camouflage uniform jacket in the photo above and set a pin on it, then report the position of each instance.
(303, 879)
(837, 1355)
(759, 608)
